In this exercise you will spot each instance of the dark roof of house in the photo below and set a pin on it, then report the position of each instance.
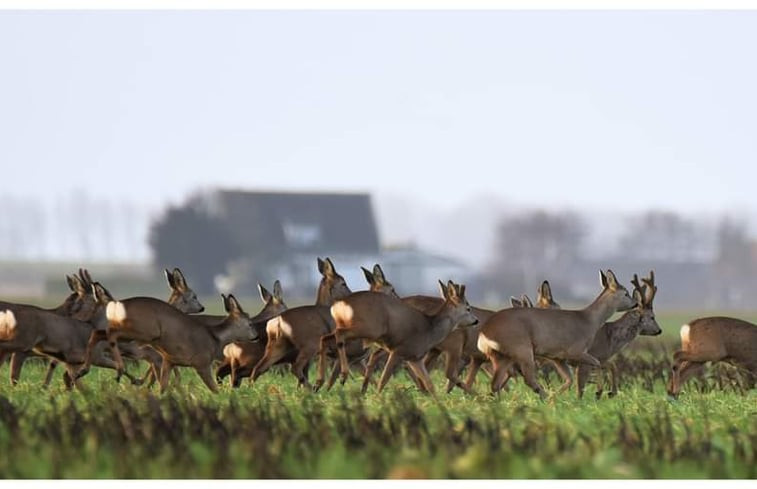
(281, 223)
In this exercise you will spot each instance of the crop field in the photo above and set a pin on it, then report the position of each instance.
(273, 429)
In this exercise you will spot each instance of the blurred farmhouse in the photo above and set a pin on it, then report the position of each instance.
(232, 239)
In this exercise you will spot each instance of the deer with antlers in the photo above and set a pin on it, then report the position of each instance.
(515, 337)
(613, 336)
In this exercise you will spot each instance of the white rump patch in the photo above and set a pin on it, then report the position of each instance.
(232, 350)
(342, 312)
(285, 327)
(7, 324)
(272, 327)
(685, 337)
(115, 312)
(485, 345)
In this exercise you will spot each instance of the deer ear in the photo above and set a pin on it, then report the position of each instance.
(326, 267)
(612, 282)
(452, 291)
(462, 291)
(368, 275)
(603, 279)
(264, 294)
(232, 305)
(169, 278)
(77, 285)
(70, 284)
(278, 294)
(443, 290)
(179, 280)
(515, 302)
(546, 291)
(100, 293)
(526, 301)
(378, 274)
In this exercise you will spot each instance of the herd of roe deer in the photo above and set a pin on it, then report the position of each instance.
(358, 332)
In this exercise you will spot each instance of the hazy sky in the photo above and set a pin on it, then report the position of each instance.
(621, 109)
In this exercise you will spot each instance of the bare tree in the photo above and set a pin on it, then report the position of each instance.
(535, 245)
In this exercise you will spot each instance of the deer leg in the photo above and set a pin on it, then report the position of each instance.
(324, 345)
(95, 337)
(391, 363)
(583, 372)
(206, 374)
(430, 358)
(49, 373)
(376, 355)
(419, 369)
(613, 380)
(299, 368)
(343, 362)
(275, 350)
(452, 369)
(17, 361)
(165, 375)
(527, 368)
(473, 366)
(223, 370)
(501, 372)
(563, 370)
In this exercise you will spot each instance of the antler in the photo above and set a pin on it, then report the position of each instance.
(640, 288)
(651, 287)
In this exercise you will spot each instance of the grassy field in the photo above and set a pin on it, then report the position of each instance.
(274, 429)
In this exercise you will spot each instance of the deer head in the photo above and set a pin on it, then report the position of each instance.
(333, 286)
(458, 309)
(614, 293)
(378, 282)
(182, 297)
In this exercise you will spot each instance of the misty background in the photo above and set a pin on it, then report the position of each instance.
(524, 145)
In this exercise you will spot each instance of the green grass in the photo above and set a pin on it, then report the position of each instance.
(274, 429)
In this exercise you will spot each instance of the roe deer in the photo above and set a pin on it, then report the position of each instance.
(714, 339)
(377, 283)
(405, 332)
(241, 357)
(613, 336)
(54, 336)
(294, 335)
(180, 339)
(459, 345)
(517, 336)
(72, 306)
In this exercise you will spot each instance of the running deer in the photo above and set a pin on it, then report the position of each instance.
(613, 336)
(294, 335)
(405, 332)
(714, 339)
(28, 329)
(181, 339)
(377, 283)
(459, 345)
(515, 337)
(241, 357)
(71, 307)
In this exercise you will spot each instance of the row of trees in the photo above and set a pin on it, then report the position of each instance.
(532, 246)
(76, 227)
